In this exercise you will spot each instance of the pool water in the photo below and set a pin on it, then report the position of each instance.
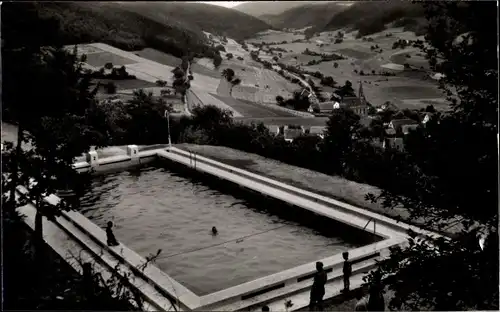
(154, 208)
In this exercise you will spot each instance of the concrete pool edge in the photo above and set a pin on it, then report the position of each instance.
(395, 232)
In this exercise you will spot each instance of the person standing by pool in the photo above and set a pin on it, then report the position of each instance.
(376, 300)
(347, 271)
(111, 239)
(318, 287)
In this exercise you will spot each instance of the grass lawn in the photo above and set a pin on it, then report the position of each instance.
(101, 58)
(275, 36)
(331, 186)
(127, 84)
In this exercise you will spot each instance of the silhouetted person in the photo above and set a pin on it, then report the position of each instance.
(376, 300)
(318, 287)
(265, 309)
(214, 230)
(88, 281)
(347, 271)
(111, 239)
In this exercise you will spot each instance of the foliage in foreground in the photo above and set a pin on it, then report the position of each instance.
(450, 171)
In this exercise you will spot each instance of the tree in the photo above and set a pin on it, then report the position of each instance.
(65, 129)
(108, 66)
(147, 121)
(433, 181)
(161, 83)
(229, 56)
(279, 99)
(328, 81)
(336, 65)
(345, 90)
(185, 63)
(228, 73)
(341, 132)
(217, 60)
(234, 83)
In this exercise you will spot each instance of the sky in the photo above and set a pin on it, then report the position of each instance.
(227, 4)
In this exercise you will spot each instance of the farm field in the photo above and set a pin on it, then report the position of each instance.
(145, 69)
(408, 89)
(275, 36)
(254, 81)
(170, 60)
(250, 109)
(283, 121)
(99, 59)
(298, 59)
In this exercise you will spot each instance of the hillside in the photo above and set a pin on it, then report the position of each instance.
(172, 28)
(370, 17)
(197, 17)
(316, 15)
(260, 8)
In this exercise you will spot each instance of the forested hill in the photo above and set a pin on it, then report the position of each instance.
(198, 16)
(371, 17)
(316, 15)
(260, 8)
(171, 27)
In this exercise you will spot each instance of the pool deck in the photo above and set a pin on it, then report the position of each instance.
(293, 284)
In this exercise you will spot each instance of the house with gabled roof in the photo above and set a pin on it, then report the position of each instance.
(317, 130)
(323, 107)
(291, 134)
(396, 124)
(273, 129)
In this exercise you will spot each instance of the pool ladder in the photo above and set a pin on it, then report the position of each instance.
(192, 160)
(374, 224)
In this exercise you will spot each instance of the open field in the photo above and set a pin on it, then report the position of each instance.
(126, 84)
(416, 59)
(250, 109)
(331, 186)
(284, 121)
(99, 59)
(170, 60)
(275, 36)
(298, 59)
(254, 81)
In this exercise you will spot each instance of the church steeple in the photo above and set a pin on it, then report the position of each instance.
(361, 95)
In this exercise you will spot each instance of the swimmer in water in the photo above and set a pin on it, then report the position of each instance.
(214, 230)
